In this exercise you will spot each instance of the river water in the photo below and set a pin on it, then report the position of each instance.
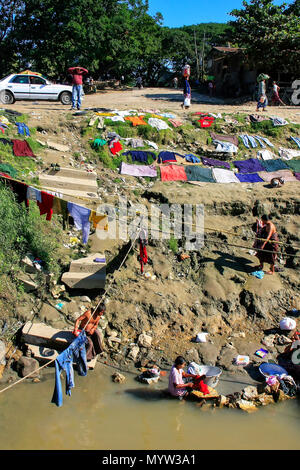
(101, 414)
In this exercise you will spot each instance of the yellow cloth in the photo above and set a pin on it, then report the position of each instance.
(4, 120)
(96, 219)
(105, 114)
(212, 393)
(156, 116)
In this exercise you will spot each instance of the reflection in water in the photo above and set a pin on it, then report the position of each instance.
(101, 414)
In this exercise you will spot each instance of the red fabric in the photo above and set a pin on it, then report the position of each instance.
(200, 385)
(21, 148)
(173, 173)
(116, 147)
(206, 121)
(143, 256)
(77, 73)
(46, 205)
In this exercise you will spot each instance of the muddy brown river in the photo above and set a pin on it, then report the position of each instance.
(101, 415)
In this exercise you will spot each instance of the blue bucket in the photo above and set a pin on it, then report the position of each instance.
(267, 368)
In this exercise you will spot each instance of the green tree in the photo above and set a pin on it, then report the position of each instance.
(269, 33)
(10, 11)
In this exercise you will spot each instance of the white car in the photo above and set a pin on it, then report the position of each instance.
(32, 87)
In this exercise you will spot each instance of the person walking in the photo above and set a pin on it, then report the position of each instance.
(275, 97)
(77, 91)
(266, 242)
(187, 94)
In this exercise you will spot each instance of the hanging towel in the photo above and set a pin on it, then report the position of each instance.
(34, 194)
(60, 206)
(274, 165)
(224, 176)
(97, 218)
(252, 165)
(173, 173)
(46, 205)
(138, 170)
(21, 148)
(249, 178)
(213, 162)
(287, 175)
(76, 352)
(81, 216)
(197, 173)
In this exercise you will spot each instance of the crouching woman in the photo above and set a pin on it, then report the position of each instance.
(177, 387)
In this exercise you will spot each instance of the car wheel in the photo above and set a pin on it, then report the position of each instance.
(65, 97)
(6, 97)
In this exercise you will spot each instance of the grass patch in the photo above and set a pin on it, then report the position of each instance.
(173, 245)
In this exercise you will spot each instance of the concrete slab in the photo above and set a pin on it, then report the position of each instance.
(86, 274)
(56, 146)
(65, 182)
(44, 354)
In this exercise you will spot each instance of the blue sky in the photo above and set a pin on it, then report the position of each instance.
(185, 12)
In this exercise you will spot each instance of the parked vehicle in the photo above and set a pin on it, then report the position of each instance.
(31, 86)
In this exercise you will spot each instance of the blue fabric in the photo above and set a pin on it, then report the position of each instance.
(252, 141)
(186, 88)
(81, 216)
(76, 352)
(258, 274)
(168, 157)
(22, 128)
(261, 143)
(249, 178)
(296, 140)
(192, 158)
(252, 165)
(76, 96)
(266, 141)
(245, 140)
(271, 369)
(140, 155)
(274, 165)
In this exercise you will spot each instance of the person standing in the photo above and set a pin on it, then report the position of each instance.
(275, 97)
(89, 321)
(187, 94)
(175, 82)
(262, 96)
(77, 76)
(210, 88)
(267, 242)
(139, 82)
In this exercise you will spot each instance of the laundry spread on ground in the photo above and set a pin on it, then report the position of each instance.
(249, 178)
(197, 173)
(173, 173)
(138, 170)
(274, 165)
(21, 148)
(252, 165)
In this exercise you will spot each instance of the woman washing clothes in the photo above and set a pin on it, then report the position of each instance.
(267, 231)
(177, 387)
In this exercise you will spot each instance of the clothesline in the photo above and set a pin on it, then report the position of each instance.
(95, 309)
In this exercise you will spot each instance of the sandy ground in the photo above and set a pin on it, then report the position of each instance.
(153, 98)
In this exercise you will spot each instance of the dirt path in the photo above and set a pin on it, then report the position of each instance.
(164, 99)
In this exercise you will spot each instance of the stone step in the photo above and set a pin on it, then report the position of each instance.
(72, 173)
(40, 334)
(62, 182)
(76, 280)
(72, 193)
(44, 354)
(87, 265)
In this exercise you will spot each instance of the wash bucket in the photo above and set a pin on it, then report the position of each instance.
(212, 373)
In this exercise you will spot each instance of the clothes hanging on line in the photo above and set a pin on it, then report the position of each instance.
(46, 205)
(81, 216)
(76, 352)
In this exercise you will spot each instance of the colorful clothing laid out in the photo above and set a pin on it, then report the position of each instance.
(277, 121)
(274, 165)
(99, 143)
(294, 165)
(175, 123)
(296, 140)
(287, 175)
(158, 124)
(136, 120)
(21, 148)
(8, 169)
(249, 178)
(6, 141)
(115, 147)
(140, 155)
(252, 165)
(22, 128)
(215, 163)
(288, 154)
(81, 216)
(76, 352)
(197, 173)
(138, 170)
(173, 173)
(225, 138)
(165, 157)
(265, 154)
(226, 147)
(192, 158)
(46, 205)
(224, 176)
